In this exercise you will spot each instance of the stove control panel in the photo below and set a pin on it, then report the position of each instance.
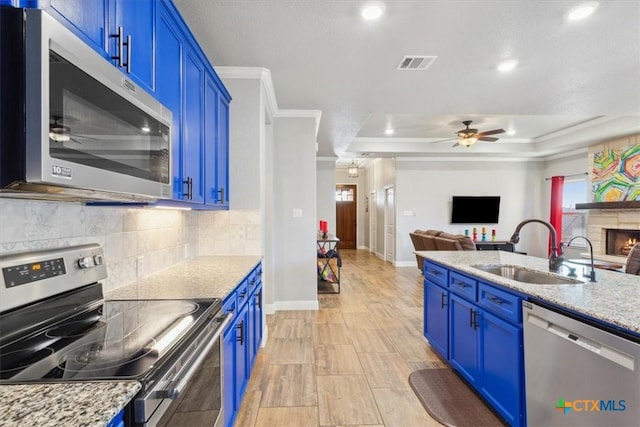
(27, 277)
(26, 273)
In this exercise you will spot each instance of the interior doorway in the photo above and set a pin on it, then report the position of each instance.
(346, 214)
(389, 225)
(373, 224)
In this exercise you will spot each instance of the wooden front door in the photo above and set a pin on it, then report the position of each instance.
(346, 210)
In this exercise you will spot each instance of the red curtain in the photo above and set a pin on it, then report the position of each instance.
(555, 216)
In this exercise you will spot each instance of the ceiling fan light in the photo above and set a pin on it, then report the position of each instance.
(468, 142)
(389, 131)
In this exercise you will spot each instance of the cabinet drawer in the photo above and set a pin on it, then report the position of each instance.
(253, 280)
(435, 273)
(463, 285)
(230, 303)
(499, 302)
(243, 292)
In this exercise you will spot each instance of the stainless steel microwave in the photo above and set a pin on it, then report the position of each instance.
(71, 125)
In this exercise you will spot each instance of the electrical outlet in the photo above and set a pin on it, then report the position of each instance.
(297, 213)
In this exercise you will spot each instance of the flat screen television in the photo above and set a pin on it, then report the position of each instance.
(475, 210)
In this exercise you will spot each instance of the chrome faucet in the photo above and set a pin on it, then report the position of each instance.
(555, 259)
(592, 275)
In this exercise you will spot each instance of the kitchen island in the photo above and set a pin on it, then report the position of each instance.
(613, 299)
(96, 403)
(474, 317)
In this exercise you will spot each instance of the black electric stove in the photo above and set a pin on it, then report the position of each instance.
(56, 326)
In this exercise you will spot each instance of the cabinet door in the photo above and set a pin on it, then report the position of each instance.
(211, 95)
(169, 88)
(192, 136)
(229, 398)
(463, 337)
(86, 18)
(258, 320)
(222, 150)
(137, 18)
(242, 354)
(436, 317)
(501, 364)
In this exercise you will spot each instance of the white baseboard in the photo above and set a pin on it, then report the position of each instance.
(366, 248)
(290, 305)
(379, 255)
(404, 264)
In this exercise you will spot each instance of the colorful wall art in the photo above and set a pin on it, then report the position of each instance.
(615, 174)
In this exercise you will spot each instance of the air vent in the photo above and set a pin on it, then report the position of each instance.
(414, 62)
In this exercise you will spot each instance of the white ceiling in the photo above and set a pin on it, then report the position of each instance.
(577, 83)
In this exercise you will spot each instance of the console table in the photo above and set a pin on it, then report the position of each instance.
(329, 263)
(496, 245)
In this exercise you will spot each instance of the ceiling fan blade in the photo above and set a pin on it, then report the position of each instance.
(488, 138)
(85, 137)
(455, 145)
(443, 140)
(491, 132)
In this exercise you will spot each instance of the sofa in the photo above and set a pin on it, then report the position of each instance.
(437, 240)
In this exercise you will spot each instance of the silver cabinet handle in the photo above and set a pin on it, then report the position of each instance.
(128, 64)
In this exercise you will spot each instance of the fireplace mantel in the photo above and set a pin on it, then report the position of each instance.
(609, 205)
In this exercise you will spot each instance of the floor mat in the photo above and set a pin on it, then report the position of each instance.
(449, 400)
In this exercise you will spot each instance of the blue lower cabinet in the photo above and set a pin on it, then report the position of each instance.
(229, 343)
(117, 421)
(464, 337)
(436, 317)
(501, 363)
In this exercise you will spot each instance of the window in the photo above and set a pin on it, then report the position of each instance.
(344, 195)
(574, 222)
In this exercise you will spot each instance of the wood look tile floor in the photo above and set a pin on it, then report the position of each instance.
(348, 363)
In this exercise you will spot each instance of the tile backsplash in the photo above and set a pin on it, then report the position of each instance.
(158, 238)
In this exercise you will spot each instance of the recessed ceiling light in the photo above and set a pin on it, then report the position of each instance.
(582, 11)
(511, 132)
(507, 65)
(145, 129)
(372, 10)
(389, 131)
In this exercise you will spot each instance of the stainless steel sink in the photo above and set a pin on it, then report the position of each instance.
(521, 274)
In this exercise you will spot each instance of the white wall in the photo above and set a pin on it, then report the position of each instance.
(342, 177)
(246, 135)
(326, 192)
(380, 175)
(294, 187)
(425, 188)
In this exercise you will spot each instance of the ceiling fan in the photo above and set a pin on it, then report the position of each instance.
(468, 136)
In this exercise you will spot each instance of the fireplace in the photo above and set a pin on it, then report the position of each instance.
(620, 242)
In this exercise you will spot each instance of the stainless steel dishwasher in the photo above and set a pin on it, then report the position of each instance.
(578, 374)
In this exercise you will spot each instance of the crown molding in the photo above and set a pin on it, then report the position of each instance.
(254, 73)
(301, 114)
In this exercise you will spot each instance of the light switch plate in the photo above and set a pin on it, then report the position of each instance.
(297, 213)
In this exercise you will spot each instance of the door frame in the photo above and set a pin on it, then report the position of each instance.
(373, 222)
(389, 212)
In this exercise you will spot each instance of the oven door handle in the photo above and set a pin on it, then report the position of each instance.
(173, 390)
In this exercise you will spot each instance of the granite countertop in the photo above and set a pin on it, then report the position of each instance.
(96, 403)
(64, 404)
(203, 277)
(613, 299)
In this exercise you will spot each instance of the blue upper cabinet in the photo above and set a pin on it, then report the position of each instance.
(192, 134)
(137, 20)
(86, 18)
(216, 146)
(120, 30)
(169, 88)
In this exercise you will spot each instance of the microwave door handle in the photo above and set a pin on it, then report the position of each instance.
(173, 390)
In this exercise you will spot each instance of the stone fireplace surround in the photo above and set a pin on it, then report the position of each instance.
(601, 220)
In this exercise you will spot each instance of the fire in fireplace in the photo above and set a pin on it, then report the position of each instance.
(620, 242)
